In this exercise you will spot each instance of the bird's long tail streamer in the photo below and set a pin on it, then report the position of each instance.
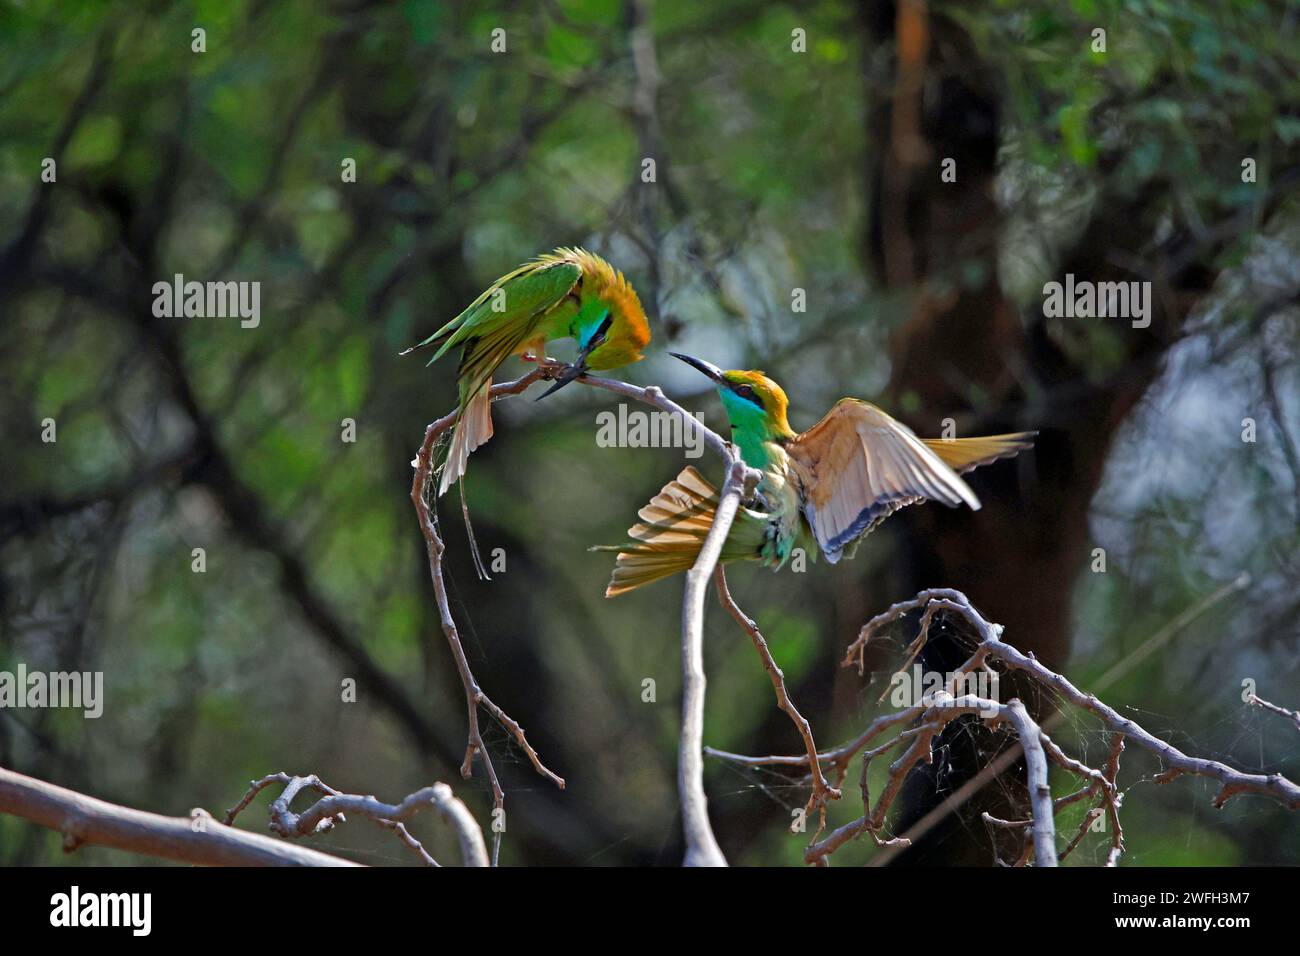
(479, 568)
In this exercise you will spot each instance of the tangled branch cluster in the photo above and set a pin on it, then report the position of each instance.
(923, 721)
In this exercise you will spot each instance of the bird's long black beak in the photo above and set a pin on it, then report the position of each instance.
(708, 368)
(579, 368)
(576, 370)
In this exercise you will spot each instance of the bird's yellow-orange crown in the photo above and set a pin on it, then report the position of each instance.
(630, 331)
(754, 386)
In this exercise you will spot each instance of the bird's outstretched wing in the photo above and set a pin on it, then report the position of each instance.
(859, 466)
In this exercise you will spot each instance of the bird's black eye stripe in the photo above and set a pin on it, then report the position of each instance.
(747, 392)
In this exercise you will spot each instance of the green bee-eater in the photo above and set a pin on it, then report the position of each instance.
(823, 489)
(569, 293)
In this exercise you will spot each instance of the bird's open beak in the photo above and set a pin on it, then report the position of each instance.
(708, 368)
(576, 370)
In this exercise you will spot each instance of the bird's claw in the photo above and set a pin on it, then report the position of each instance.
(552, 369)
(560, 375)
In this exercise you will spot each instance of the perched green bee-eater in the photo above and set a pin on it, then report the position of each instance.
(829, 486)
(568, 293)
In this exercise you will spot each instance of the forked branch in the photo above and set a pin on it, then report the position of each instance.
(329, 811)
(701, 846)
(474, 695)
(821, 790)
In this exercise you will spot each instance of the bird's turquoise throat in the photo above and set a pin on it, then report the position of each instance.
(750, 430)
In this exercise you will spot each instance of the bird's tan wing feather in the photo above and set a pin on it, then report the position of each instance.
(967, 454)
(859, 465)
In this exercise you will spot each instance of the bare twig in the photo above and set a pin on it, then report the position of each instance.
(701, 845)
(1032, 740)
(1040, 794)
(199, 839)
(1232, 782)
(1113, 800)
(1122, 668)
(821, 790)
(330, 810)
(1291, 715)
(653, 395)
(474, 696)
(937, 712)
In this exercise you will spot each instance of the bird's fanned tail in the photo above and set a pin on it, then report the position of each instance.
(672, 530)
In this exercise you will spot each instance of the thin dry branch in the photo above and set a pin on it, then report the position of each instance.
(198, 839)
(1040, 794)
(1232, 782)
(821, 790)
(954, 801)
(937, 712)
(1291, 715)
(474, 695)
(702, 846)
(330, 810)
(1113, 801)
(1101, 784)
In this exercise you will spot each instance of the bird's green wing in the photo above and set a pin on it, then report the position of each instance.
(484, 354)
(512, 303)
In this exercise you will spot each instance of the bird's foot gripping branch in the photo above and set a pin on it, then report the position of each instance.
(913, 729)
